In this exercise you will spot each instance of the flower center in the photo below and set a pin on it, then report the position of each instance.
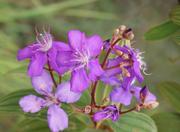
(44, 41)
(52, 100)
(81, 58)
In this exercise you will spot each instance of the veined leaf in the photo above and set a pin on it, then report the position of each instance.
(85, 99)
(170, 91)
(9, 103)
(161, 31)
(14, 81)
(167, 122)
(134, 122)
(75, 125)
(33, 125)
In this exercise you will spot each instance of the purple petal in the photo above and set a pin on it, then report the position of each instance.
(150, 98)
(59, 60)
(64, 94)
(95, 69)
(111, 63)
(114, 81)
(124, 49)
(42, 84)
(144, 92)
(37, 63)
(64, 58)
(24, 53)
(128, 82)
(76, 39)
(57, 48)
(120, 95)
(31, 103)
(115, 116)
(136, 93)
(109, 112)
(137, 71)
(79, 80)
(98, 116)
(61, 46)
(57, 119)
(94, 45)
(106, 44)
(52, 55)
(113, 111)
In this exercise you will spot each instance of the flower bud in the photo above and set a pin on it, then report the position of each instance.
(151, 105)
(128, 34)
(144, 93)
(122, 27)
(87, 109)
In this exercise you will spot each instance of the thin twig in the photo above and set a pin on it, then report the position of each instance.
(52, 76)
(93, 102)
(127, 111)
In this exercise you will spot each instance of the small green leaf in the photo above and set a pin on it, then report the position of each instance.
(167, 122)
(170, 91)
(134, 122)
(161, 31)
(175, 15)
(9, 103)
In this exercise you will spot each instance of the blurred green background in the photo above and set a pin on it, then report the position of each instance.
(18, 19)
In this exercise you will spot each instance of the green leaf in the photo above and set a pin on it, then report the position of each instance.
(176, 37)
(85, 99)
(175, 15)
(167, 122)
(161, 31)
(18, 78)
(32, 125)
(134, 122)
(9, 103)
(170, 91)
(36, 125)
(75, 125)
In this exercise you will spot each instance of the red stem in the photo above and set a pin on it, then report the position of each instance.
(124, 112)
(51, 73)
(93, 102)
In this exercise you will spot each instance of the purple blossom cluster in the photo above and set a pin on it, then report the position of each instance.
(120, 68)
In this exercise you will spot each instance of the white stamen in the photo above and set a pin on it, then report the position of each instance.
(143, 65)
(45, 41)
(81, 57)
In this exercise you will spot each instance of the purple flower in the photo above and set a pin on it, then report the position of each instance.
(110, 112)
(81, 59)
(121, 95)
(124, 96)
(127, 66)
(40, 52)
(57, 118)
(145, 97)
